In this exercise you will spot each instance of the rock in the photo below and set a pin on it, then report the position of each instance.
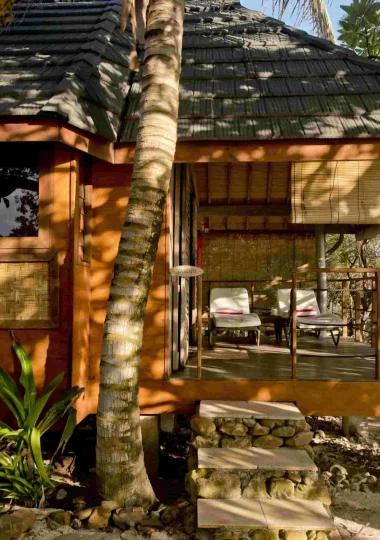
(76, 524)
(278, 473)
(334, 535)
(227, 534)
(219, 485)
(319, 435)
(192, 462)
(281, 488)
(299, 425)
(295, 477)
(268, 441)
(99, 518)
(204, 534)
(131, 534)
(190, 519)
(249, 422)
(170, 514)
(336, 468)
(61, 494)
(283, 431)
(265, 535)
(5, 508)
(256, 488)
(131, 515)
(268, 423)
(258, 429)
(307, 449)
(84, 514)
(237, 442)
(206, 441)
(191, 480)
(86, 536)
(110, 505)
(202, 426)
(371, 479)
(80, 503)
(118, 522)
(294, 535)
(310, 477)
(235, 429)
(311, 535)
(14, 524)
(61, 517)
(302, 438)
(150, 522)
(321, 536)
(313, 493)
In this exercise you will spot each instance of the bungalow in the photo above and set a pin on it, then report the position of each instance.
(278, 145)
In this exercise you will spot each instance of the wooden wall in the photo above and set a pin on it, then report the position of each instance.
(109, 199)
(50, 348)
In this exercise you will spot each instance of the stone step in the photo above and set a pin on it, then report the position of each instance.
(249, 409)
(263, 514)
(286, 459)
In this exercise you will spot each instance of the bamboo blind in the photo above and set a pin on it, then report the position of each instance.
(24, 291)
(336, 192)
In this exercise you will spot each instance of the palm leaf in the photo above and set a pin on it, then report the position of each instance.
(10, 396)
(35, 447)
(26, 377)
(68, 431)
(314, 11)
(59, 408)
(37, 409)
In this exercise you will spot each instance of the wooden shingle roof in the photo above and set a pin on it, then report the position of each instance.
(244, 76)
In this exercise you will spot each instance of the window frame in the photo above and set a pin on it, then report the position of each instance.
(45, 193)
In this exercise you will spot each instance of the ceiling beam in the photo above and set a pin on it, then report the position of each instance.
(245, 210)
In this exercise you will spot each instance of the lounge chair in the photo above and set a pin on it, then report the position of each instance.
(229, 310)
(309, 316)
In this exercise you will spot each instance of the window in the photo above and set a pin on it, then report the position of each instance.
(19, 201)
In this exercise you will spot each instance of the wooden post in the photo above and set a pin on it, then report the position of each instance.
(378, 327)
(294, 325)
(374, 312)
(345, 307)
(199, 325)
(320, 246)
(358, 333)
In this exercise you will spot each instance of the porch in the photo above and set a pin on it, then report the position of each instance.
(317, 360)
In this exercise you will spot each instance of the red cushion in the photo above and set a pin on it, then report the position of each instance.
(307, 312)
(228, 312)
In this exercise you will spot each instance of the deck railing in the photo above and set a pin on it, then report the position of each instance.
(364, 277)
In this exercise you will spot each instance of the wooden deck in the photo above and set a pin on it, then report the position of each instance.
(318, 360)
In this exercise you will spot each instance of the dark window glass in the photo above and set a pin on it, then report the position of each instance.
(19, 201)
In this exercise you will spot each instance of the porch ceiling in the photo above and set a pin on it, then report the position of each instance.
(244, 196)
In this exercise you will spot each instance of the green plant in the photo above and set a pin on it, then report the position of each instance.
(27, 465)
(360, 28)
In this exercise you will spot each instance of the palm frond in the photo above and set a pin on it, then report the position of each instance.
(313, 11)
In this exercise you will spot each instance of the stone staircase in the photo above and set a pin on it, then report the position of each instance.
(252, 474)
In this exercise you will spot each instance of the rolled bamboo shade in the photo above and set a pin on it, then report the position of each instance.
(336, 192)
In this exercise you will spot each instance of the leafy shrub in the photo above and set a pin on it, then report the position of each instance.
(24, 476)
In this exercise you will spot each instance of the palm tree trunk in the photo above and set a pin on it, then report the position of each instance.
(121, 473)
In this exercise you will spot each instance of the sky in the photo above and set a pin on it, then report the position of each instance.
(336, 13)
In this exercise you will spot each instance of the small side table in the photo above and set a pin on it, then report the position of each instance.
(278, 322)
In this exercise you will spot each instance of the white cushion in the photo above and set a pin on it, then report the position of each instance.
(229, 300)
(236, 321)
(326, 320)
(307, 305)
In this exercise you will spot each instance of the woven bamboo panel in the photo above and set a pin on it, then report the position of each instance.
(336, 192)
(24, 291)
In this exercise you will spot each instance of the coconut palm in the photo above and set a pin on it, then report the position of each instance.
(315, 11)
(121, 472)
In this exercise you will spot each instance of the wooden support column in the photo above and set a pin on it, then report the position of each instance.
(345, 307)
(374, 312)
(378, 326)
(293, 336)
(320, 246)
(199, 327)
(358, 320)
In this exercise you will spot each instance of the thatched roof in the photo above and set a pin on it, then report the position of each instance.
(244, 75)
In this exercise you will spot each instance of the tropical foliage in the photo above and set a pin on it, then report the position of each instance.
(23, 474)
(314, 11)
(360, 28)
